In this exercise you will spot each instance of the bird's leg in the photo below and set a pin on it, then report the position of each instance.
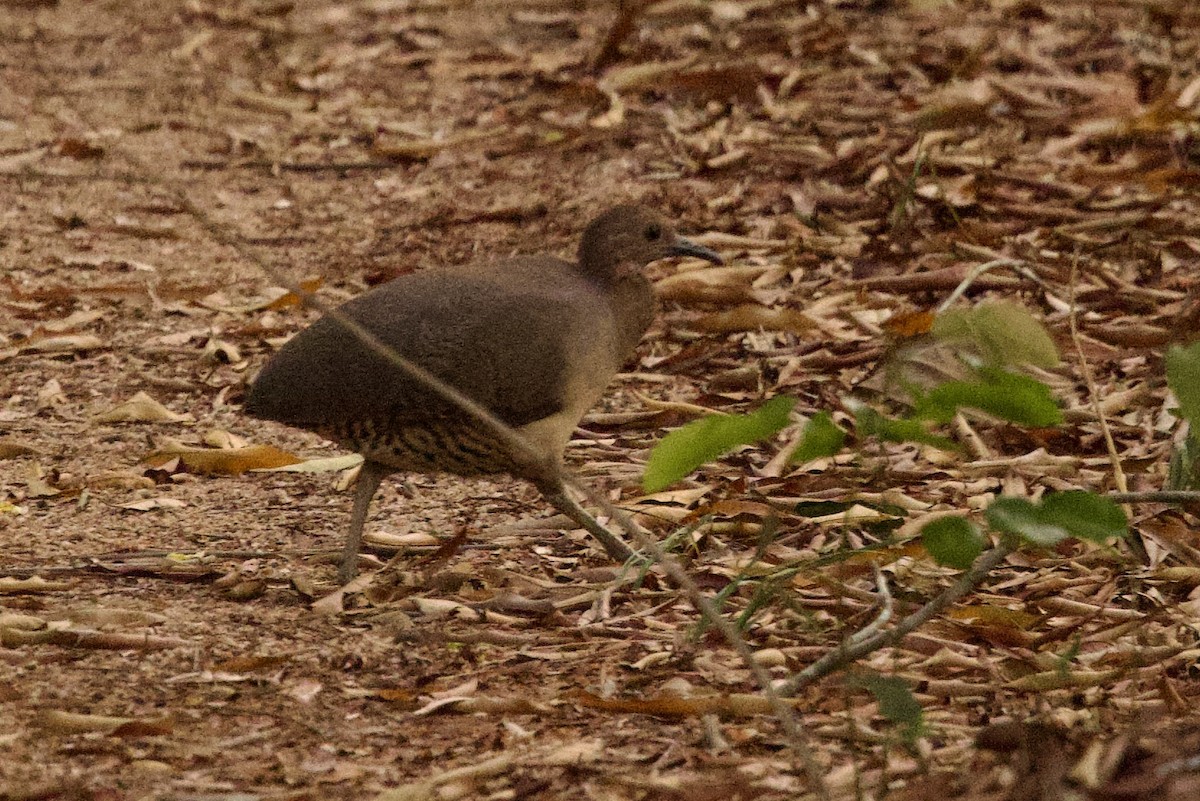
(369, 476)
(556, 492)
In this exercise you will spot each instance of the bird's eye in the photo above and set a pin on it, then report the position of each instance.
(653, 233)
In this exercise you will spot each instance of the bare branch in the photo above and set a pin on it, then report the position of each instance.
(857, 646)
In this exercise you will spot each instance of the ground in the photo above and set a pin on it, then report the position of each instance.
(853, 161)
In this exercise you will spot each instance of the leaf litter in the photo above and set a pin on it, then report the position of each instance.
(854, 164)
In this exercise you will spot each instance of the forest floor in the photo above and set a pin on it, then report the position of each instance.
(853, 161)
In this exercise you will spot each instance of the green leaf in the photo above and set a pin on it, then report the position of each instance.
(896, 703)
(1005, 333)
(1183, 377)
(1009, 396)
(952, 541)
(822, 437)
(1019, 516)
(701, 441)
(871, 423)
(1084, 515)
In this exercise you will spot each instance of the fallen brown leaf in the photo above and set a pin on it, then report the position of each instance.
(749, 317)
(141, 408)
(230, 461)
(11, 449)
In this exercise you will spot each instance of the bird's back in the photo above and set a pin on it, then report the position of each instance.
(528, 338)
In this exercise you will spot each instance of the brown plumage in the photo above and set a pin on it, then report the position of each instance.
(534, 339)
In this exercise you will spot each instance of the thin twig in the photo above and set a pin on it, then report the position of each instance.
(855, 647)
(1016, 265)
(885, 612)
(1110, 446)
(1093, 392)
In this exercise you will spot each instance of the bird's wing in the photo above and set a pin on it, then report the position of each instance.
(510, 345)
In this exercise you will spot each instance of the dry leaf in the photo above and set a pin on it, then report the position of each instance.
(51, 395)
(251, 664)
(72, 321)
(79, 149)
(218, 351)
(615, 115)
(230, 462)
(415, 539)
(11, 449)
(640, 76)
(113, 616)
(66, 343)
(329, 464)
(75, 723)
(246, 590)
(576, 752)
(992, 615)
(289, 299)
(12, 620)
(141, 408)
(672, 706)
(121, 479)
(957, 105)
(36, 486)
(150, 504)
(750, 317)
(130, 227)
(144, 728)
(218, 438)
(35, 584)
(719, 285)
(304, 690)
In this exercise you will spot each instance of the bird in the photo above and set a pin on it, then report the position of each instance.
(533, 339)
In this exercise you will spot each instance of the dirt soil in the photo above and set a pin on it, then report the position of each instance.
(853, 161)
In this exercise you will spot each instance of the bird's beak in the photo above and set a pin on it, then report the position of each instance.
(684, 247)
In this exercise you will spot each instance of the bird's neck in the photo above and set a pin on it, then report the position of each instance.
(633, 307)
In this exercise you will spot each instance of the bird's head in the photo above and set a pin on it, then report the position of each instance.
(624, 239)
